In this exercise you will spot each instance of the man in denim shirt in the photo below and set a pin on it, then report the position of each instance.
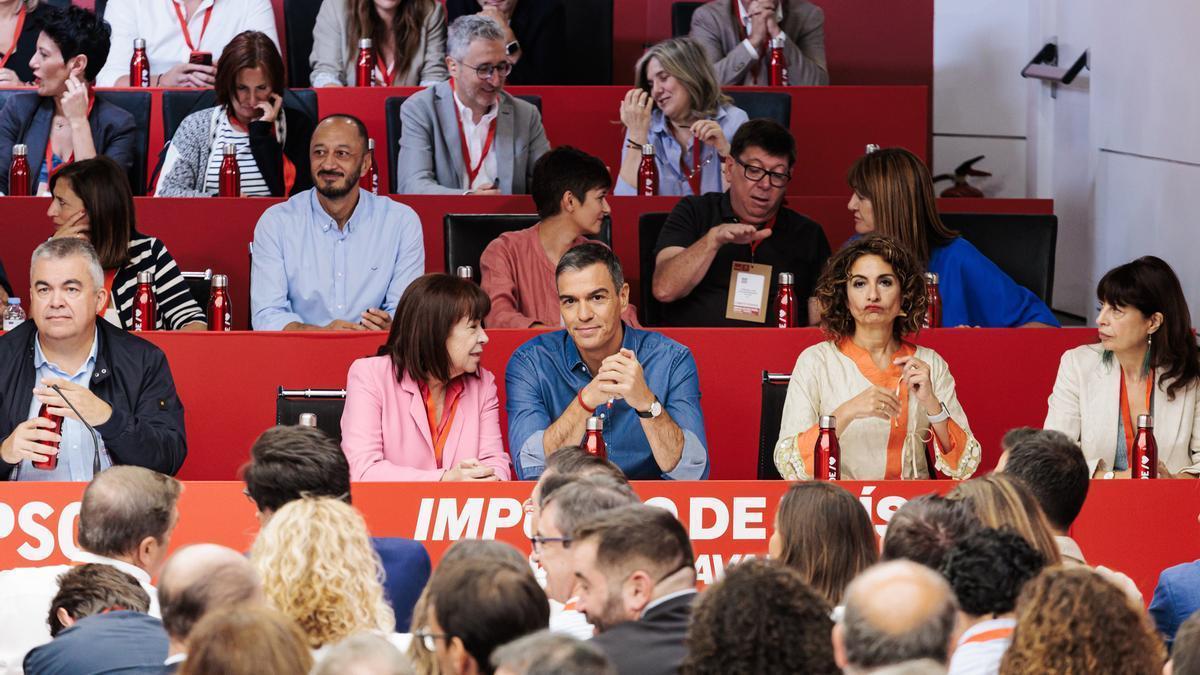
(643, 384)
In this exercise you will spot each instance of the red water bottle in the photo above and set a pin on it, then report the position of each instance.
(785, 301)
(51, 462)
(231, 173)
(145, 307)
(933, 309)
(779, 72)
(139, 65)
(18, 172)
(827, 454)
(593, 443)
(370, 179)
(648, 173)
(1143, 457)
(220, 313)
(364, 74)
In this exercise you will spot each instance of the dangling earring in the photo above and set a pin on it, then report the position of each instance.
(1149, 350)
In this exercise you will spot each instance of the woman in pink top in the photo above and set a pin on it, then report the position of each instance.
(570, 189)
(424, 409)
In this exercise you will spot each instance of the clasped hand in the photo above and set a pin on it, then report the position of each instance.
(620, 377)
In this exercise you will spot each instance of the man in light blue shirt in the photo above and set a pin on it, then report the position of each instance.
(334, 257)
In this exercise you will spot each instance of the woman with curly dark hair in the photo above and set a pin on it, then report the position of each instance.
(761, 618)
(889, 398)
(1071, 621)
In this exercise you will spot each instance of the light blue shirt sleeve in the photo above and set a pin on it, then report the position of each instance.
(410, 259)
(269, 304)
(527, 416)
(683, 404)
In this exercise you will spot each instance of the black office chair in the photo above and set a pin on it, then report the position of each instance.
(137, 103)
(649, 225)
(774, 394)
(681, 17)
(178, 104)
(1022, 245)
(589, 32)
(466, 235)
(326, 404)
(200, 286)
(299, 18)
(391, 112)
(769, 104)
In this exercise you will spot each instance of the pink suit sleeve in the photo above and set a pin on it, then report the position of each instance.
(362, 431)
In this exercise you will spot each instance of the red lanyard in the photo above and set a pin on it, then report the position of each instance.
(1126, 415)
(770, 225)
(187, 35)
(472, 172)
(694, 176)
(388, 76)
(50, 168)
(16, 36)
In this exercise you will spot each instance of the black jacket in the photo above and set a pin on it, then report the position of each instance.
(131, 375)
(652, 645)
(268, 154)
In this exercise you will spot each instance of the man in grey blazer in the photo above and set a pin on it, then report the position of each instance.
(467, 136)
(741, 57)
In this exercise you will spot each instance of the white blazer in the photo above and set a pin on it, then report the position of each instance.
(1086, 403)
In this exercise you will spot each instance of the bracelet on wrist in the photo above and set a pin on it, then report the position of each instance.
(584, 405)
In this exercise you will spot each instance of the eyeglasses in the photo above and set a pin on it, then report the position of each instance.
(537, 542)
(487, 70)
(429, 640)
(756, 173)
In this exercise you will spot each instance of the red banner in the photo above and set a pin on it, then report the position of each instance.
(1137, 527)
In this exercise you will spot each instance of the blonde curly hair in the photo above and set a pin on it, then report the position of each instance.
(318, 567)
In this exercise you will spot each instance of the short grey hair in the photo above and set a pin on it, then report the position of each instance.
(546, 653)
(583, 498)
(591, 253)
(922, 633)
(467, 29)
(65, 247)
(366, 649)
(124, 505)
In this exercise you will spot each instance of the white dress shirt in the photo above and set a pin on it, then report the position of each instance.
(156, 22)
(981, 647)
(476, 134)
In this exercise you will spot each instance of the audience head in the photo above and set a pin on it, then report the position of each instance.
(563, 466)
(896, 612)
(249, 76)
(364, 654)
(128, 513)
(986, 570)
(477, 60)
(1010, 440)
(247, 641)
(289, 462)
(1185, 651)
(484, 549)
(824, 533)
(759, 167)
(339, 155)
(570, 181)
(872, 280)
(761, 618)
(67, 285)
(1052, 466)
(592, 293)
(625, 558)
(546, 653)
(1142, 302)
(1001, 501)
(438, 334)
(74, 43)
(926, 527)
(1071, 620)
(476, 606)
(200, 579)
(562, 512)
(319, 568)
(92, 201)
(94, 588)
(893, 196)
(680, 80)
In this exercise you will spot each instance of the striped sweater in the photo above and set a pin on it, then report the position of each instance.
(175, 304)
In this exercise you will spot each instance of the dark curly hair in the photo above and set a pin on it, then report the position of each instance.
(987, 569)
(1072, 621)
(761, 618)
(836, 319)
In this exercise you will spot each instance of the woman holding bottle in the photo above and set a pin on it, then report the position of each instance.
(893, 402)
(1145, 363)
(408, 41)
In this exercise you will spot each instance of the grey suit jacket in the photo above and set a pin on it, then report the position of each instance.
(803, 24)
(431, 161)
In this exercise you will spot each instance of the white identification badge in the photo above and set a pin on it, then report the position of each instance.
(748, 286)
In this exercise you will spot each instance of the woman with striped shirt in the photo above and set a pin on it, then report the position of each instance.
(92, 200)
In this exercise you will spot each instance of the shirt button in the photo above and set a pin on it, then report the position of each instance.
(339, 306)
(339, 274)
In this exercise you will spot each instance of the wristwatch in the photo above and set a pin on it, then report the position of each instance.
(512, 48)
(654, 411)
(940, 417)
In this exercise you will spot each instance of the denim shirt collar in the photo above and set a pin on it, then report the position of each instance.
(574, 361)
(658, 121)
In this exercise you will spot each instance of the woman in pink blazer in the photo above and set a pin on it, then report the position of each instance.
(424, 409)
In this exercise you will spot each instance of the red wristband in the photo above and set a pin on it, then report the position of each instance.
(584, 405)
